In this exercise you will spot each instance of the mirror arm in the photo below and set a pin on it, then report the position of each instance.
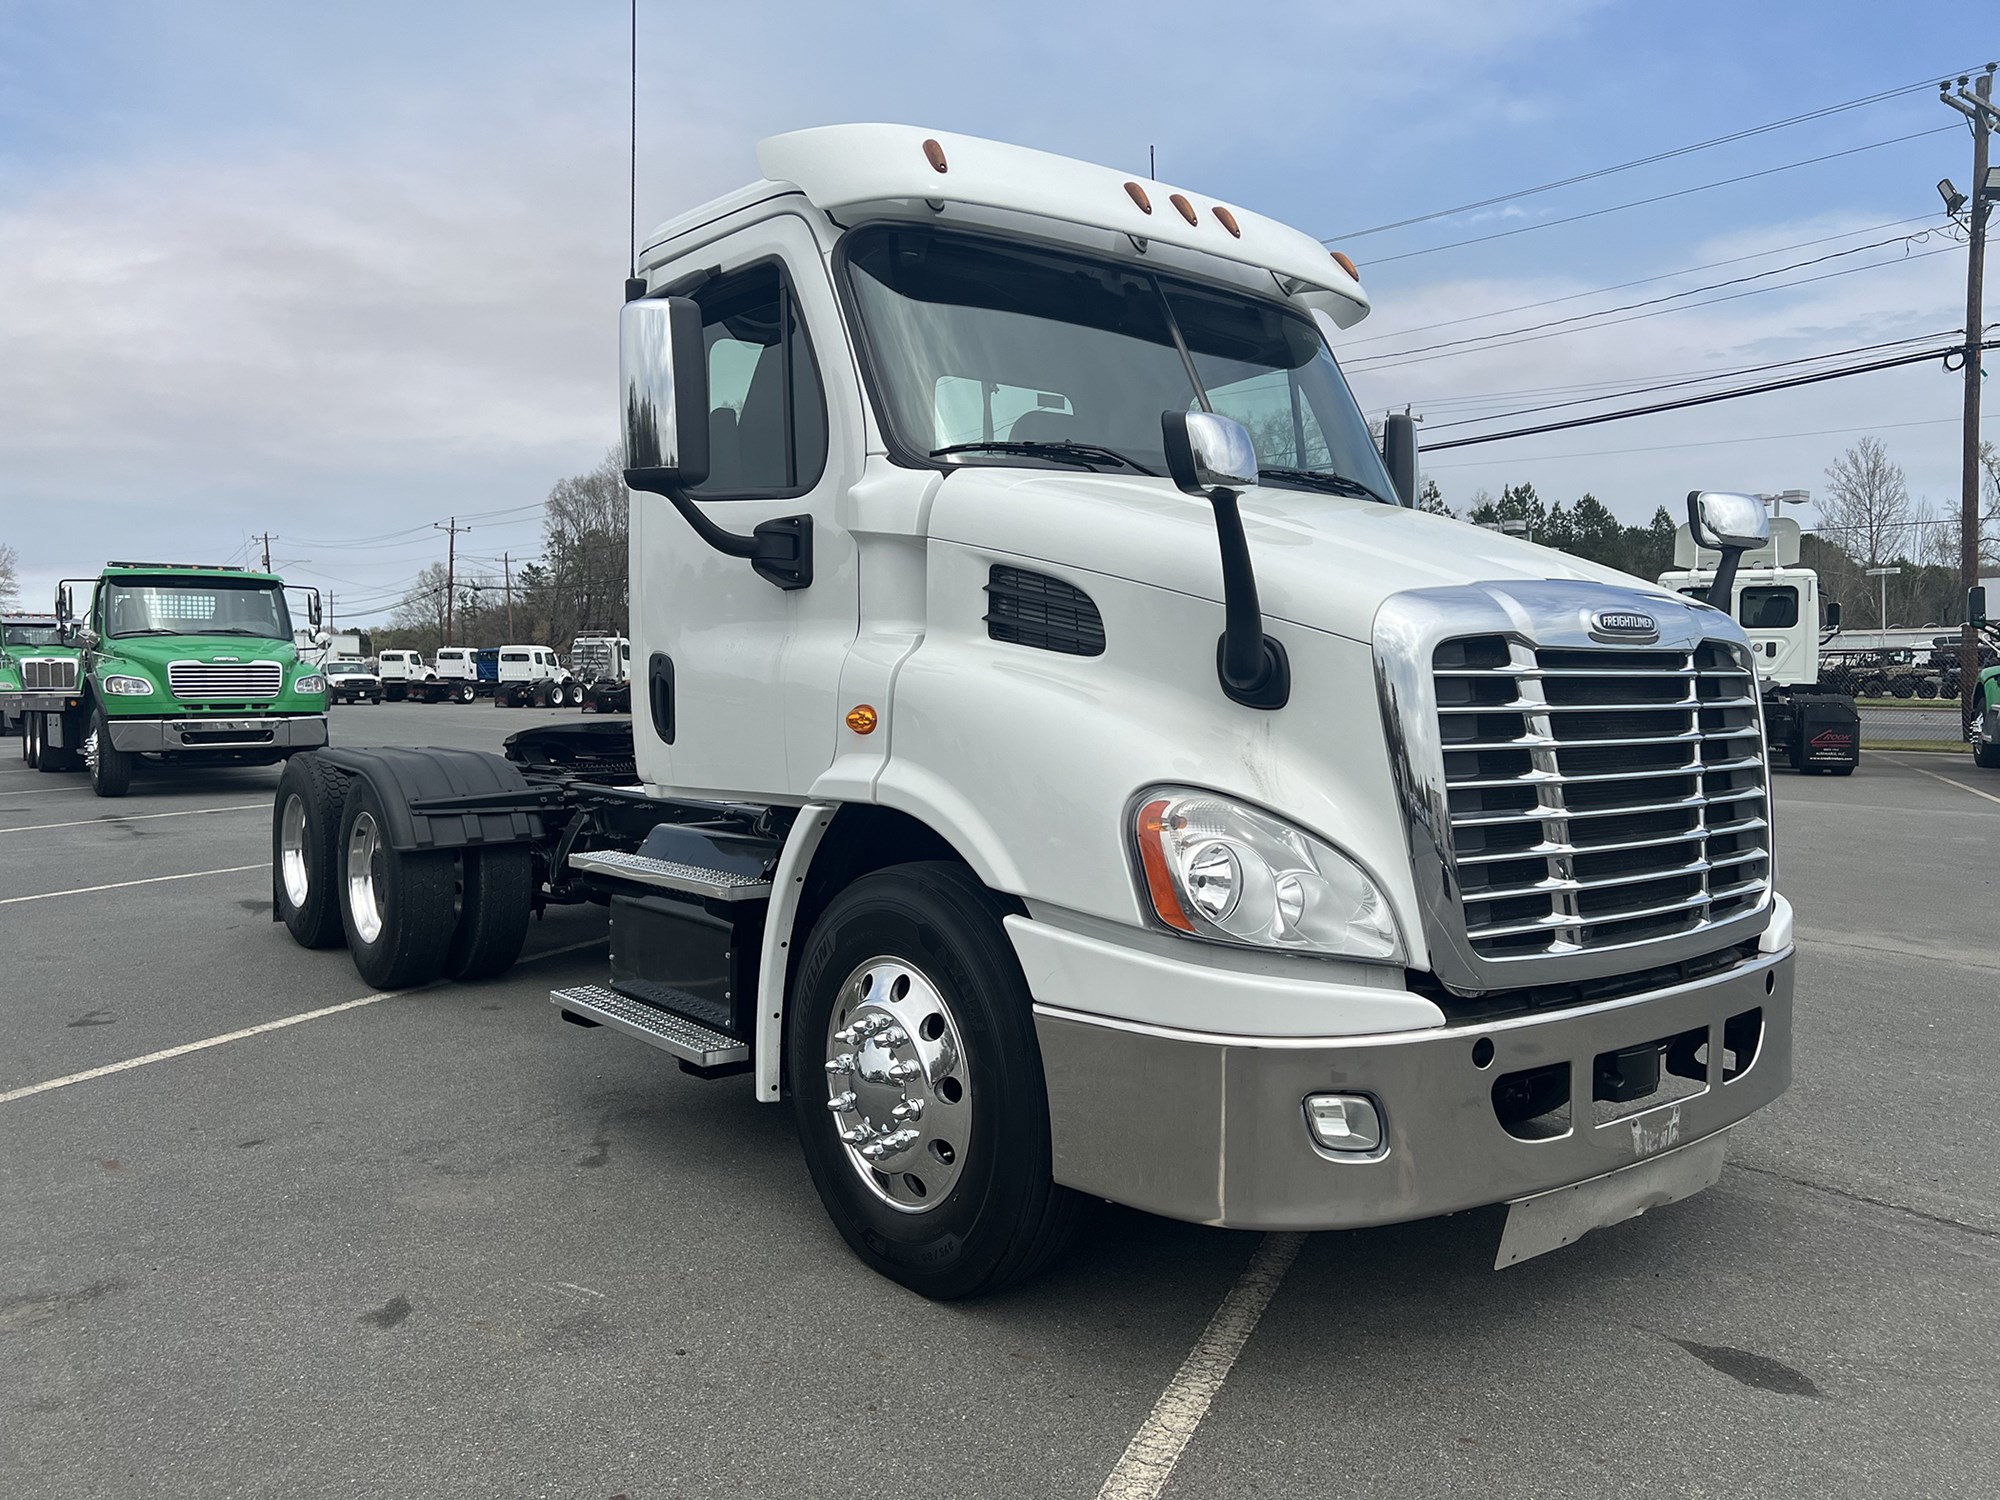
(1722, 593)
(1251, 666)
(780, 551)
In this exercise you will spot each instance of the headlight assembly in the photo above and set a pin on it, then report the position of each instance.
(310, 682)
(1216, 869)
(128, 687)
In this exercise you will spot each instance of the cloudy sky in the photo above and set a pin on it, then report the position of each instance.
(335, 273)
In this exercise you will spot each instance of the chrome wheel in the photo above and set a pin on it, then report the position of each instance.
(897, 1091)
(364, 878)
(292, 851)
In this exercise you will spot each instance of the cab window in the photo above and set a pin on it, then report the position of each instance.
(1768, 608)
(767, 411)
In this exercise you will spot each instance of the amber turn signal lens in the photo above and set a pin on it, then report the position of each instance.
(1346, 265)
(1159, 879)
(1138, 195)
(861, 719)
(935, 154)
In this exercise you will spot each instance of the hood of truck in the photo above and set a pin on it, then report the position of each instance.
(1322, 561)
(155, 652)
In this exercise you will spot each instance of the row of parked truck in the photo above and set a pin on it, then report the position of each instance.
(177, 663)
(596, 677)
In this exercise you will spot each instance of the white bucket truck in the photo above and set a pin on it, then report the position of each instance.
(1064, 765)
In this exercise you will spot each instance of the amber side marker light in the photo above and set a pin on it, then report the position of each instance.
(1138, 195)
(934, 153)
(1228, 221)
(1346, 265)
(1186, 208)
(1159, 880)
(862, 719)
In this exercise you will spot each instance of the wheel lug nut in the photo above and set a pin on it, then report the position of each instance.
(841, 1066)
(903, 1072)
(909, 1109)
(893, 1144)
(842, 1104)
(895, 1036)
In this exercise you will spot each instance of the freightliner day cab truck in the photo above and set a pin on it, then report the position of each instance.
(1815, 727)
(177, 664)
(1064, 765)
(35, 662)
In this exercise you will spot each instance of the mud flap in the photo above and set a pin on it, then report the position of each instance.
(1550, 1220)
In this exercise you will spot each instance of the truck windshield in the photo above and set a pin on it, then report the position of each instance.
(978, 341)
(209, 606)
(31, 635)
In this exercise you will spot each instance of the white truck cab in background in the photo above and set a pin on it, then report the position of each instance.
(1064, 765)
(534, 675)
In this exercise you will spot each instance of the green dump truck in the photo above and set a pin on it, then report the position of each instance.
(176, 664)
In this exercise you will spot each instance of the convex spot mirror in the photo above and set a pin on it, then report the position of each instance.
(1726, 522)
(663, 382)
(1206, 451)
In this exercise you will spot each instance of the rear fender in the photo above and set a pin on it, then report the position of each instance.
(449, 799)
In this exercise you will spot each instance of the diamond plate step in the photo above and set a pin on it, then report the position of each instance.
(685, 1039)
(722, 885)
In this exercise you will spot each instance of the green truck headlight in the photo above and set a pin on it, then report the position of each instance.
(310, 682)
(128, 687)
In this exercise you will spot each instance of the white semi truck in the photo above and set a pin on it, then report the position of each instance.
(1814, 726)
(1065, 765)
(603, 665)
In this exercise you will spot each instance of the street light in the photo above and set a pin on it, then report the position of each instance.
(1885, 574)
(1954, 200)
(1779, 501)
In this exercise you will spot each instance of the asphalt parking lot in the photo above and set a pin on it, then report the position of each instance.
(440, 1243)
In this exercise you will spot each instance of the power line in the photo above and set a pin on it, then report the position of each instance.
(1713, 265)
(1709, 399)
(1598, 213)
(1693, 291)
(1392, 362)
(1702, 379)
(1762, 437)
(1647, 161)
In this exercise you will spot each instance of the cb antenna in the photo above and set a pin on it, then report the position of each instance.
(634, 286)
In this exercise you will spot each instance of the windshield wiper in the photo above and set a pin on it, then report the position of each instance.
(1087, 454)
(1332, 484)
(257, 635)
(123, 635)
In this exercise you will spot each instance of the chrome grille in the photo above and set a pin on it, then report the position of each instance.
(49, 673)
(1599, 798)
(248, 681)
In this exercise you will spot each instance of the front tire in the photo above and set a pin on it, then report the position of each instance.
(912, 1025)
(305, 845)
(397, 907)
(110, 768)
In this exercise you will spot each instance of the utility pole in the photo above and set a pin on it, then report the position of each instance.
(450, 569)
(265, 538)
(1976, 104)
(507, 578)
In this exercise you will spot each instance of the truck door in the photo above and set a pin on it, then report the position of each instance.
(1783, 631)
(741, 673)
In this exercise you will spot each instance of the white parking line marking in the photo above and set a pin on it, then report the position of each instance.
(119, 885)
(49, 791)
(1935, 777)
(1157, 1446)
(189, 812)
(258, 1030)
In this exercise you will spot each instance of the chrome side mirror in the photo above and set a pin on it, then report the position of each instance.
(1206, 451)
(663, 377)
(1727, 523)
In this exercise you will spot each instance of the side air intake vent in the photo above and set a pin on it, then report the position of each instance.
(1033, 609)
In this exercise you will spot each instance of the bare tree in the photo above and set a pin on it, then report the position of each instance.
(422, 612)
(10, 577)
(1866, 506)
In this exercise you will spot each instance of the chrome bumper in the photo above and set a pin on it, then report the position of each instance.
(196, 736)
(1212, 1129)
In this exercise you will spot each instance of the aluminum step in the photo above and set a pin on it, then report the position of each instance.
(721, 885)
(688, 1040)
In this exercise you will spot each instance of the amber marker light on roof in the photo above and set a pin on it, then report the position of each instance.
(934, 153)
(1138, 195)
(1346, 265)
(1227, 220)
(861, 719)
(1186, 208)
